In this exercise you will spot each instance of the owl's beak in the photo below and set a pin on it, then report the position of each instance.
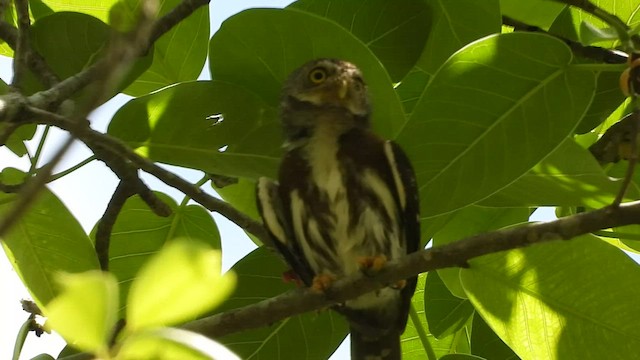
(343, 88)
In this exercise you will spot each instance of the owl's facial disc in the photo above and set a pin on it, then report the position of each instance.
(328, 85)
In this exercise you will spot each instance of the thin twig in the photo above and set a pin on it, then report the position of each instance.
(633, 158)
(122, 152)
(450, 255)
(596, 53)
(23, 49)
(68, 171)
(103, 234)
(36, 62)
(69, 86)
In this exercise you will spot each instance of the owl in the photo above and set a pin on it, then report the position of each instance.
(345, 200)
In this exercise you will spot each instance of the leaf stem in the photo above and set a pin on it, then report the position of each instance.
(183, 204)
(72, 169)
(22, 336)
(36, 156)
(422, 333)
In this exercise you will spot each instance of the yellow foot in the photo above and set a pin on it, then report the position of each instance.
(290, 276)
(372, 264)
(399, 285)
(322, 282)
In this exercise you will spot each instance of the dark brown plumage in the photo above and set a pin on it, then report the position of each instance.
(346, 199)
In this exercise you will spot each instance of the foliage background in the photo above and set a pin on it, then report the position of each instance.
(532, 97)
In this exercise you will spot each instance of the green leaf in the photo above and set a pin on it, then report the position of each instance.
(261, 60)
(45, 241)
(607, 98)
(461, 357)
(179, 283)
(210, 125)
(307, 336)
(242, 196)
(554, 301)
(60, 34)
(470, 221)
(392, 31)
(513, 91)
(569, 176)
(178, 55)
(446, 314)
(170, 344)
(485, 342)
(99, 9)
(540, 13)
(450, 31)
(86, 310)
(15, 142)
(456, 24)
(138, 234)
(417, 342)
(570, 23)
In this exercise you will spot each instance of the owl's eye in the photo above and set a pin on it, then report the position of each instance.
(318, 75)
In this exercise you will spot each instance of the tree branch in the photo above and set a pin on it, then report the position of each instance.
(450, 255)
(121, 152)
(596, 53)
(23, 49)
(69, 86)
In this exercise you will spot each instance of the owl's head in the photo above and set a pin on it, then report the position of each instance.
(327, 89)
(329, 83)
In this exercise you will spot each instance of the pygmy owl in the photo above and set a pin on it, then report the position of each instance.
(345, 201)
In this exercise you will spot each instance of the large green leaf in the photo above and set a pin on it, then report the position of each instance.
(57, 36)
(541, 13)
(446, 314)
(455, 24)
(138, 234)
(569, 176)
(470, 221)
(606, 99)
(493, 111)
(417, 341)
(86, 310)
(307, 336)
(394, 30)
(209, 125)
(450, 31)
(485, 342)
(262, 60)
(99, 9)
(560, 300)
(178, 55)
(164, 292)
(45, 241)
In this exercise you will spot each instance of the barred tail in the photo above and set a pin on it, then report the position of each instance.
(383, 347)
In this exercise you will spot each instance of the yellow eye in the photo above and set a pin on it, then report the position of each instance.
(318, 75)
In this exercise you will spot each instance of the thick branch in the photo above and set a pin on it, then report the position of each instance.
(450, 255)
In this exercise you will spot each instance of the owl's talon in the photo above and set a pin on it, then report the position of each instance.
(290, 276)
(322, 282)
(372, 264)
(399, 285)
